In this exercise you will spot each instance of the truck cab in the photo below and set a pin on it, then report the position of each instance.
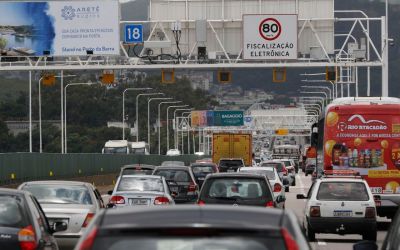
(139, 148)
(116, 147)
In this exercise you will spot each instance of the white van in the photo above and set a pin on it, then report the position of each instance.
(139, 148)
(116, 147)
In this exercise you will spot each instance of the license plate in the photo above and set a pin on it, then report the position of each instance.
(138, 202)
(342, 213)
(230, 170)
(54, 220)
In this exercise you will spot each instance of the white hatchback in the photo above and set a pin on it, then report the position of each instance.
(274, 180)
(340, 205)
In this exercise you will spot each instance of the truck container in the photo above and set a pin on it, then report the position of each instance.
(227, 145)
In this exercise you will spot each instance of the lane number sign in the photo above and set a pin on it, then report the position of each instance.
(133, 33)
(270, 29)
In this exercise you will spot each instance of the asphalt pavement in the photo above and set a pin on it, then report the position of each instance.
(327, 241)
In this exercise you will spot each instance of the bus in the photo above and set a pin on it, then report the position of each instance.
(363, 135)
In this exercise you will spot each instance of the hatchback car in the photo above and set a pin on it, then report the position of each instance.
(23, 224)
(139, 190)
(281, 169)
(274, 180)
(198, 227)
(70, 202)
(181, 181)
(340, 206)
(230, 164)
(202, 169)
(237, 189)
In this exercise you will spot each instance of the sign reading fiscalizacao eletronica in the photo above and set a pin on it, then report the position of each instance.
(269, 37)
(59, 28)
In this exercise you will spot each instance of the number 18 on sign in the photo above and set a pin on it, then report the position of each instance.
(133, 33)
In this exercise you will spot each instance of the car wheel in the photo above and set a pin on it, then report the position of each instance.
(287, 189)
(310, 234)
(370, 236)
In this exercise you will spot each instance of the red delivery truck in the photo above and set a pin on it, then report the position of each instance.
(363, 134)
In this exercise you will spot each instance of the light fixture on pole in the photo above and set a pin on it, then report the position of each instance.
(123, 106)
(159, 123)
(176, 106)
(176, 126)
(137, 111)
(148, 116)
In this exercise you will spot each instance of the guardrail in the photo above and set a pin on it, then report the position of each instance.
(17, 167)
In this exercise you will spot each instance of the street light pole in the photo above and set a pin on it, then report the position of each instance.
(65, 109)
(159, 123)
(148, 116)
(137, 111)
(40, 117)
(177, 106)
(123, 107)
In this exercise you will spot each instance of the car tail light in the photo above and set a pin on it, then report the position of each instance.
(87, 243)
(370, 212)
(88, 218)
(27, 239)
(192, 187)
(315, 211)
(161, 201)
(284, 170)
(201, 203)
(117, 200)
(270, 204)
(290, 243)
(277, 187)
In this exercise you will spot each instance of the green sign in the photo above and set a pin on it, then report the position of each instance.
(228, 118)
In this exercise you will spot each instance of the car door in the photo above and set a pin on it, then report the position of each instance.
(46, 240)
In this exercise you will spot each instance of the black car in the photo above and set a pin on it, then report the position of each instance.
(202, 169)
(180, 180)
(137, 169)
(237, 189)
(230, 164)
(23, 224)
(194, 227)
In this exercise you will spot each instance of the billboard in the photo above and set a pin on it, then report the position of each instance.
(228, 118)
(59, 28)
(269, 37)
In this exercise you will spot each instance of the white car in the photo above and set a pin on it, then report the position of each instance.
(273, 178)
(290, 166)
(173, 152)
(340, 205)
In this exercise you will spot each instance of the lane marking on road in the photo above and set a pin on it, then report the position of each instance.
(321, 243)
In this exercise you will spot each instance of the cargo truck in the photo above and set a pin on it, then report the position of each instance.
(226, 145)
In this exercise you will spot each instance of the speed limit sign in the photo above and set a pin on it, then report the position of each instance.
(270, 29)
(270, 37)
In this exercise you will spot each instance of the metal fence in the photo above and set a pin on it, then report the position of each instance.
(17, 167)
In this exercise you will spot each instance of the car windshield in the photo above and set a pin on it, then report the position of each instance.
(202, 169)
(244, 188)
(60, 193)
(140, 184)
(175, 175)
(270, 174)
(277, 165)
(138, 151)
(191, 243)
(137, 171)
(115, 150)
(346, 191)
(12, 213)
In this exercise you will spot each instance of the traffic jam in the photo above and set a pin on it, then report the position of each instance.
(254, 192)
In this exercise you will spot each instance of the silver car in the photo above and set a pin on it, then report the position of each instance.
(273, 178)
(139, 190)
(74, 203)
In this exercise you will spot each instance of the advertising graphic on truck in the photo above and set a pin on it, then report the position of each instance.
(365, 136)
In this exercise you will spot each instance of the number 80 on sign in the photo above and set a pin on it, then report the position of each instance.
(133, 33)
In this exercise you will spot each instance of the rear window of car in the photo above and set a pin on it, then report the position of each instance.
(12, 212)
(268, 173)
(140, 184)
(176, 175)
(277, 165)
(60, 194)
(201, 169)
(230, 163)
(346, 191)
(245, 188)
(185, 242)
(137, 171)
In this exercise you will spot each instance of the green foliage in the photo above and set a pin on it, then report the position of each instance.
(3, 43)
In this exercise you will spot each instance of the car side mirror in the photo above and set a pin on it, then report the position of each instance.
(301, 196)
(365, 245)
(59, 226)
(174, 194)
(280, 199)
(110, 192)
(110, 205)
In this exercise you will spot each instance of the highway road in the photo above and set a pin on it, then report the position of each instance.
(327, 241)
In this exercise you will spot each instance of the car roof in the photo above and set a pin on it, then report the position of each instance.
(342, 179)
(258, 168)
(59, 182)
(137, 166)
(173, 167)
(12, 191)
(142, 176)
(209, 216)
(234, 175)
